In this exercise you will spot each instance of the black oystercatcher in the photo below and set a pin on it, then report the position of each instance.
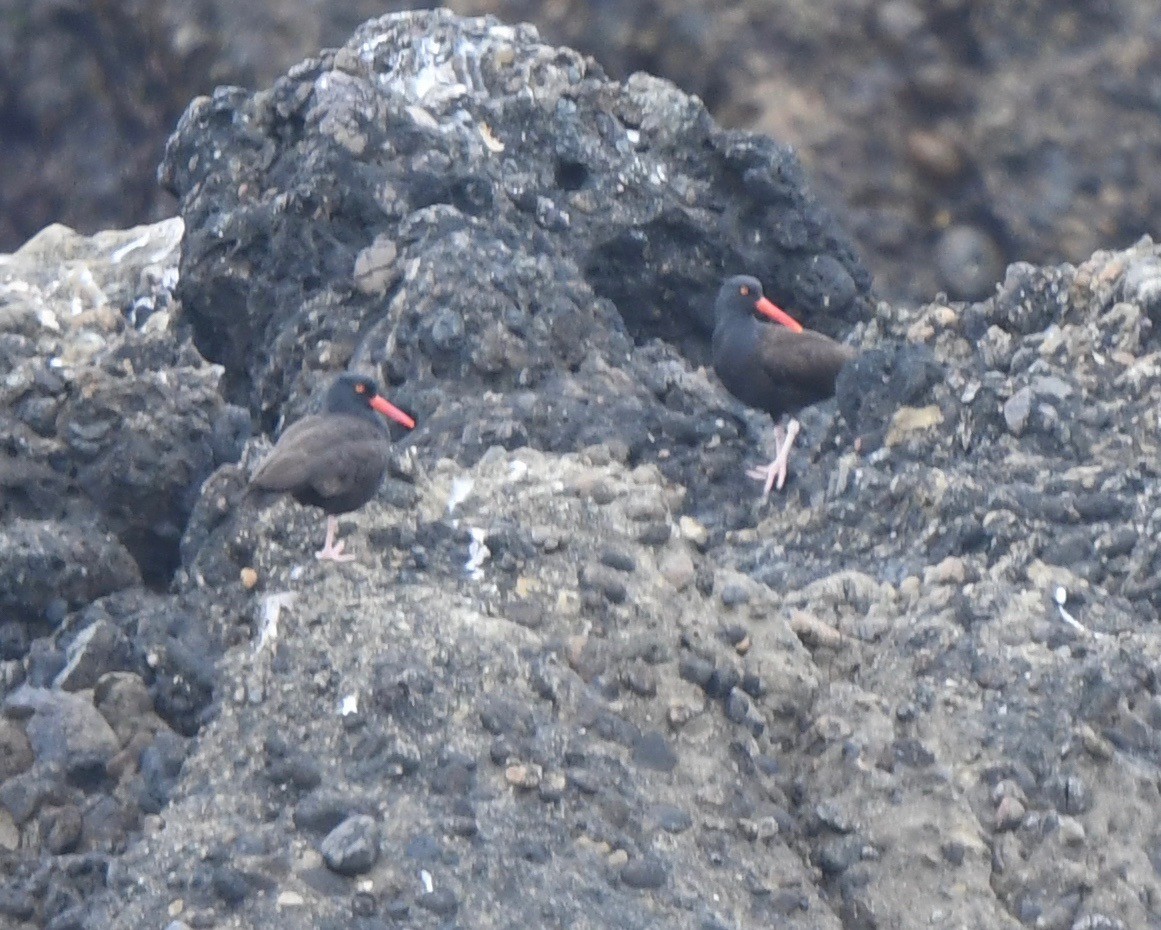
(776, 368)
(335, 459)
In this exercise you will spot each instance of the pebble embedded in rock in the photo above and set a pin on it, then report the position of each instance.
(15, 750)
(1009, 813)
(124, 701)
(677, 568)
(65, 728)
(734, 594)
(1017, 409)
(618, 559)
(644, 873)
(97, 649)
(652, 750)
(670, 818)
(322, 810)
(231, 885)
(441, 901)
(352, 847)
(61, 828)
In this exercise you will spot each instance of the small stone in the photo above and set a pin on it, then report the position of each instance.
(679, 713)
(734, 594)
(619, 559)
(583, 780)
(652, 750)
(1009, 813)
(693, 531)
(1017, 409)
(15, 750)
(641, 680)
(523, 776)
(644, 873)
(289, 899)
(656, 533)
(441, 901)
(618, 858)
(1072, 832)
(352, 847)
(952, 570)
(677, 568)
(61, 829)
(249, 578)
(909, 420)
(374, 266)
(9, 834)
(322, 810)
(231, 885)
(552, 787)
(696, 670)
(124, 701)
(97, 649)
(670, 818)
(65, 727)
(934, 154)
(759, 830)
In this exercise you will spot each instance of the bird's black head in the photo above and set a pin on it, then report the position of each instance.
(738, 296)
(741, 297)
(357, 395)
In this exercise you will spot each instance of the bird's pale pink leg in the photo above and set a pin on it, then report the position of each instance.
(332, 551)
(774, 474)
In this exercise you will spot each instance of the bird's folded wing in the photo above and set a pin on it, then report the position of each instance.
(808, 361)
(315, 447)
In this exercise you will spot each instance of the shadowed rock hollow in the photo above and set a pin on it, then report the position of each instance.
(579, 674)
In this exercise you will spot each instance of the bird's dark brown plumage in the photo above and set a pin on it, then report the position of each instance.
(335, 459)
(773, 366)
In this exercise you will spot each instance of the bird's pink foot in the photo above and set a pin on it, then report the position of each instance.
(774, 474)
(333, 551)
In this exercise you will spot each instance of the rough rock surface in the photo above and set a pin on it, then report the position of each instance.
(349, 193)
(580, 674)
(954, 137)
(104, 415)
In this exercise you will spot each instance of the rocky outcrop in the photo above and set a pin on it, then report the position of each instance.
(580, 673)
(953, 139)
(103, 413)
(347, 214)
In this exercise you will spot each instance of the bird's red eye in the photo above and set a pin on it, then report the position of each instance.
(744, 290)
(360, 389)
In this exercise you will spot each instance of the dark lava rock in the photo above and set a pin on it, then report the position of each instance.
(323, 810)
(671, 818)
(15, 750)
(352, 847)
(652, 750)
(41, 561)
(878, 382)
(112, 429)
(644, 873)
(441, 901)
(161, 763)
(96, 650)
(610, 215)
(64, 728)
(437, 203)
(231, 885)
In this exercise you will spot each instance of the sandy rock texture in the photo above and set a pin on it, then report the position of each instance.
(580, 673)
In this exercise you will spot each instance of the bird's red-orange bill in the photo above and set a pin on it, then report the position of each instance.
(388, 409)
(770, 309)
